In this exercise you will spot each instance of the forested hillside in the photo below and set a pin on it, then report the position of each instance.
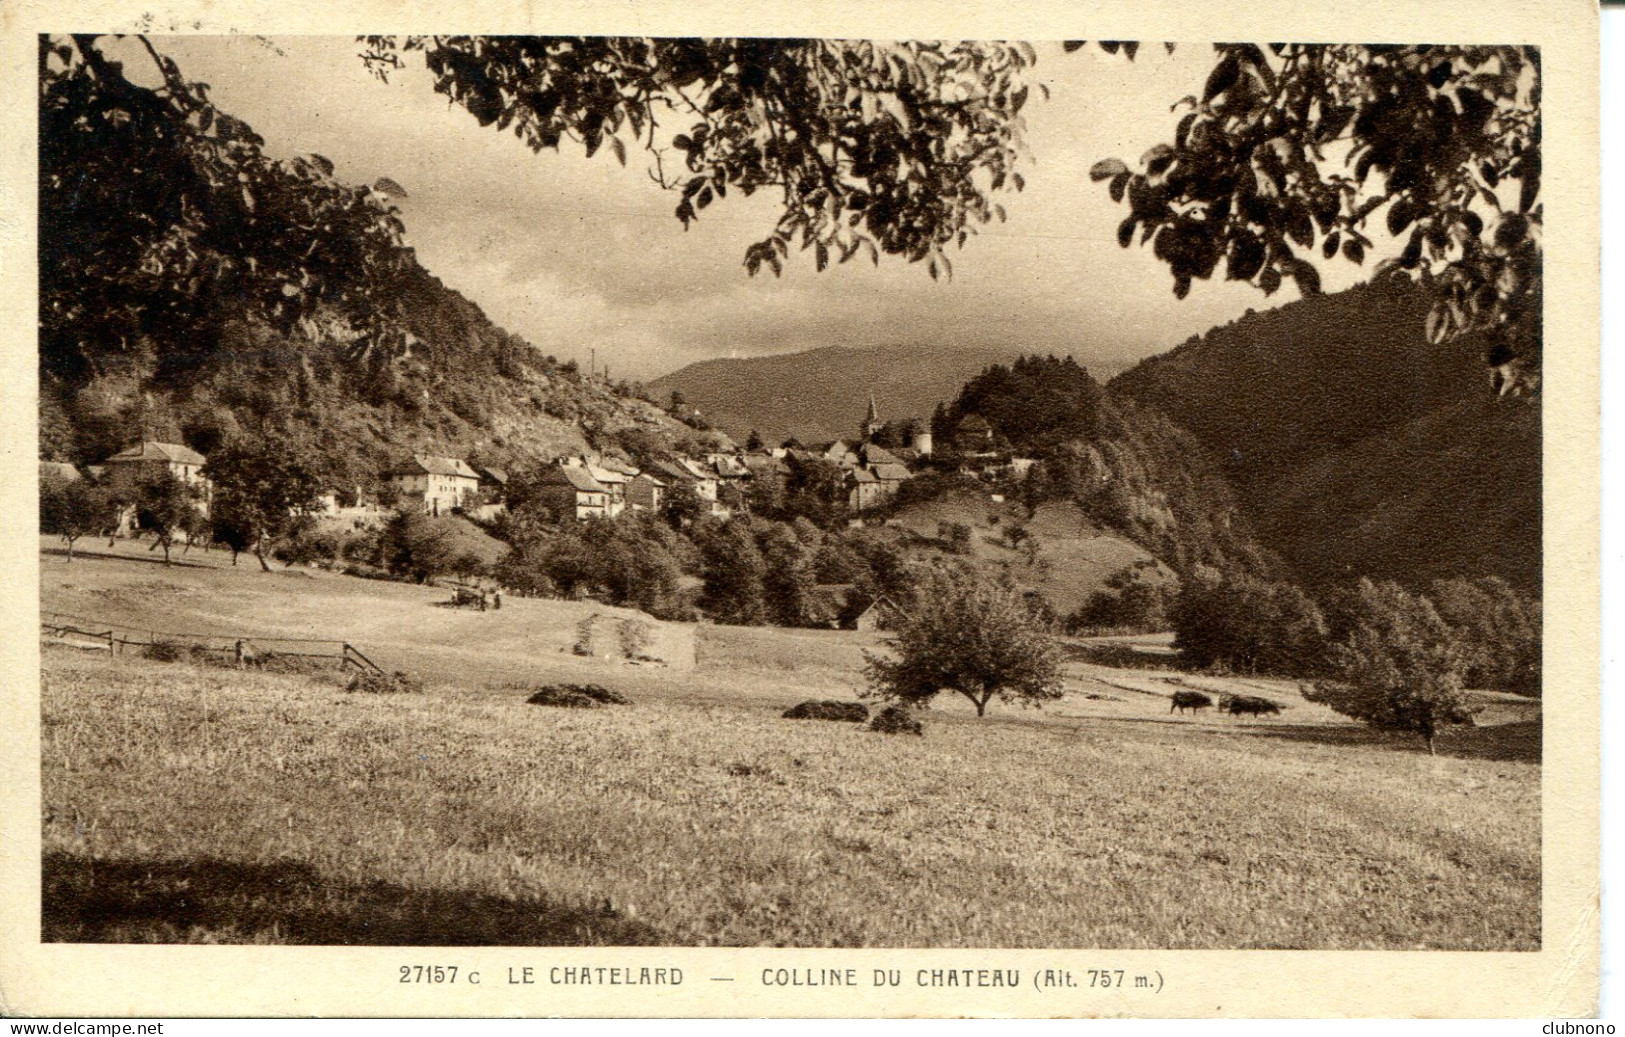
(462, 387)
(1126, 465)
(196, 288)
(1354, 445)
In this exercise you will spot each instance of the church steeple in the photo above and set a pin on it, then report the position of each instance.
(872, 423)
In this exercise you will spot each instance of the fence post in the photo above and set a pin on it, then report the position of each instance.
(112, 646)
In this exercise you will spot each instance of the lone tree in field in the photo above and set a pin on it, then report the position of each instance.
(74, 508)
(262, 492)
(1399, 668)
(169, 508)
(970, 635)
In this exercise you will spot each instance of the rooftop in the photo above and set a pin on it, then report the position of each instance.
(423, 465)
(150, 450)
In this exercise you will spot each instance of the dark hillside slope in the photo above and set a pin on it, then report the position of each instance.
(1354, 445)
(1456, 491)
(464, 387)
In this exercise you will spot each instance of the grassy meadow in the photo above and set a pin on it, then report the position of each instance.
(201, 804)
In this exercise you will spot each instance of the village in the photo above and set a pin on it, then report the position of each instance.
(586, 486)
(717, 484)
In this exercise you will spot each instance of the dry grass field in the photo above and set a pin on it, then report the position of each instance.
(196, 803)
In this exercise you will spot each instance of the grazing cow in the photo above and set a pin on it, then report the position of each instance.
(1192, 700)
(1252, 705)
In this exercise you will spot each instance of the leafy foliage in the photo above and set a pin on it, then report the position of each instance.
(263, 490)
(735, 575)
(1133, 600)
(1338, 471)
(74, 508)
(1398, 667)
(1498, 629)
(166, 506)
(160, 214)
(872, 147)
(1152, 481)
(970, 635)
(634, 561)
(1294, 150)
(422, 547)
(1248, 624)
(789, 576)
(816, 490)
(1030, 403)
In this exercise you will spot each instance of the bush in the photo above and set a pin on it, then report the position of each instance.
(322, 545)
(1249, 624)
(1134, 601)
(577, 696)
(422, 547)
(1399, 666)
(563, 699)
(1498, 629)
(372, 682)
(829, 709)
(897, 720)
(168, 651)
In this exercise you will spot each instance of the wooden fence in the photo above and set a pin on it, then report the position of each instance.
(89, 632)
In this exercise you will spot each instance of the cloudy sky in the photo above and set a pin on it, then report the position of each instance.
(575, 253)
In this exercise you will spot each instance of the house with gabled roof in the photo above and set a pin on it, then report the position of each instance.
(434, 484)
(892, 475)
(148, 458)
(839, 453)
(871, 454)
(866, 490)
(493, 481)
(149, 455)
(570, 489)
(880, 614)
(614, 483)
(728, 466)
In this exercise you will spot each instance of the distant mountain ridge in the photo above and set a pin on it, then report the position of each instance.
(824, 393)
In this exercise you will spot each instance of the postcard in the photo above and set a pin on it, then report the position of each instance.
(769, 510)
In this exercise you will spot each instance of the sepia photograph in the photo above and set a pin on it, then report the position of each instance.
(604, 492)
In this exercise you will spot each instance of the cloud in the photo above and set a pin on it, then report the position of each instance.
(576, 254)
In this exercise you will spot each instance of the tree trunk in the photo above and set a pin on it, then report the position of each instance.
(70, 547)
(259, 552)
(164, 543)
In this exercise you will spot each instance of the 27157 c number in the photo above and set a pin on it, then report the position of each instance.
(428, 973)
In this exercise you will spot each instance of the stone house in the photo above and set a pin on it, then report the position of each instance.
(434, 484)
